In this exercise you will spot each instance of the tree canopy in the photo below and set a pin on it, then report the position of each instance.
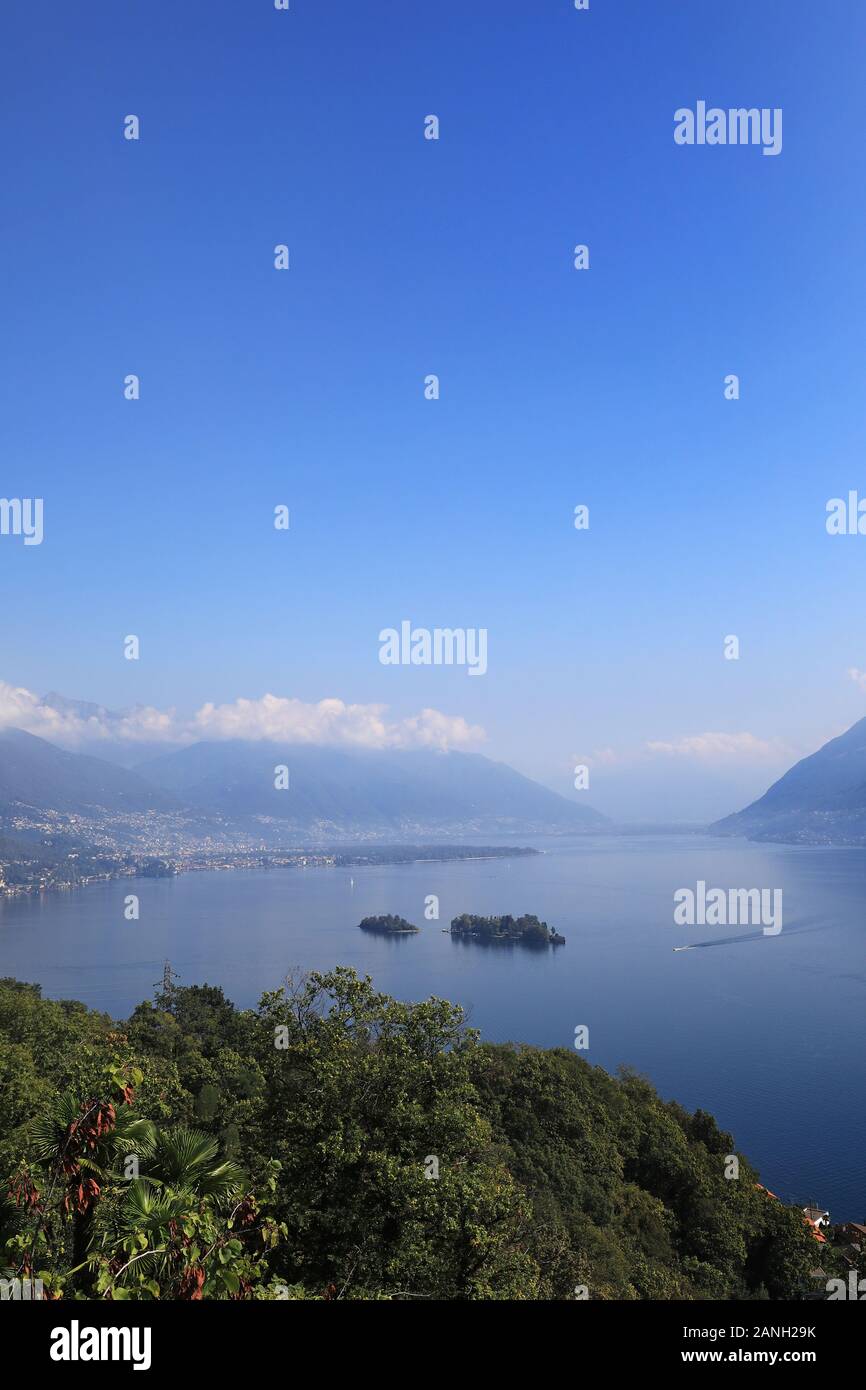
(338, 1143)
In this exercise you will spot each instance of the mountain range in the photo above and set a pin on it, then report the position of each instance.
(225, 789)
(36, 773)
(821, 800)
(331, 792)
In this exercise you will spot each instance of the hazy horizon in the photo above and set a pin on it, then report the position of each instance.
(627, 792)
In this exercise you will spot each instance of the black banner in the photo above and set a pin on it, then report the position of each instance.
(159, 1339)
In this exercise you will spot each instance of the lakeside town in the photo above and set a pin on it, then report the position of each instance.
(42, 853)
(842, 1246)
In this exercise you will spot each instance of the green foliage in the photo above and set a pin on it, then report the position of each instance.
(337, 1143)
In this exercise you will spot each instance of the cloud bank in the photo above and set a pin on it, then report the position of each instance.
(705, 749)
(273, 717)
(717, 747)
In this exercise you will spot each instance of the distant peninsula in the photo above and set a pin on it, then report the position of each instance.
(59, 861)
(388, 925)
(416, 854)
(527, 930)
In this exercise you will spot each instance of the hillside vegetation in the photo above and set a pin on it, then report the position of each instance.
(336, 1143)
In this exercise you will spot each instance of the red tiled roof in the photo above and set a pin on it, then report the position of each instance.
(815, 1231)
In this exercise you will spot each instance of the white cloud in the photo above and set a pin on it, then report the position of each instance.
(21, 709)
(706, 747)
(332, 722)
(859, 677)
(329, 721)
(717, 747)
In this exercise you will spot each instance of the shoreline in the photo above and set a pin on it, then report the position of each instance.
(294, 859)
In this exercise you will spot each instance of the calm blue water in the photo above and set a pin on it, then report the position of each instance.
(767, 1033)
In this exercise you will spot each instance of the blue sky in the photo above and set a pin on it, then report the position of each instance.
(452, 257)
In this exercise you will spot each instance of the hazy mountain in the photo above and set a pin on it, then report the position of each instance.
(105, 740)
(331, 792)
(35, 773)
(821, 800)
(352, 791)
(82, 709)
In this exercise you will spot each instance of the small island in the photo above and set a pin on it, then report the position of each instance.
(388, 925)
(527, 930)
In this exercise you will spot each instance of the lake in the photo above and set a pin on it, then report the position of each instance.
(766, 1032)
